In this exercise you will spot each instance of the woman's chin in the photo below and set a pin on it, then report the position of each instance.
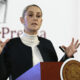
(35, 28)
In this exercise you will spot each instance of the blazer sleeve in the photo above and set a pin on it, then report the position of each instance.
(52, 50)
(65, 57)
(4, 63)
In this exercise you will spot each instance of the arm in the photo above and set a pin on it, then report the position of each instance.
(4, 64)
(52, 51)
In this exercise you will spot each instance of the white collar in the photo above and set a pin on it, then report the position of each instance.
(29, 40)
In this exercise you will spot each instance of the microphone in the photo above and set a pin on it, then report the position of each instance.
(61, 49)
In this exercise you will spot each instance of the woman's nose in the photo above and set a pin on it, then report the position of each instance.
(35, 18)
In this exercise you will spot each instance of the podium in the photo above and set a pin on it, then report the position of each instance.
(43, 71)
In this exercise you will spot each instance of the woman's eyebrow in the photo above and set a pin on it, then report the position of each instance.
(37, 12)
(30, 12)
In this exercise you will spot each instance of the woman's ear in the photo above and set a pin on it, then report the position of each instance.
(41, 20)
(22, 20)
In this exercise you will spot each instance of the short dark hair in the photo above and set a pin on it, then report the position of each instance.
(27, 7)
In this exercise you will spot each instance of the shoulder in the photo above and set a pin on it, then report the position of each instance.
(11, 44)
(47, 44)
(14, 41)
(44, 40)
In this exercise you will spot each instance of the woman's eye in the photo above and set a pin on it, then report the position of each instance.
(30, 15)
(38, 16)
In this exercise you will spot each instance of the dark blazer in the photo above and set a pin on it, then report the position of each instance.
(16, 57)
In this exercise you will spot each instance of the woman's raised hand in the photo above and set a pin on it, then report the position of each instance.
(2, 44)
(72, 48)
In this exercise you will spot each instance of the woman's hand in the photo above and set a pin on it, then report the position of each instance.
(72, 48)
(2, 44)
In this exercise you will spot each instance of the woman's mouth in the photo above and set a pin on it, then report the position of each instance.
(34, 24)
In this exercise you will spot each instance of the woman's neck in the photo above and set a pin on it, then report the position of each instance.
(29, 40)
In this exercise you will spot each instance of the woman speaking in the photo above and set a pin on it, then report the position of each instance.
(21, 53)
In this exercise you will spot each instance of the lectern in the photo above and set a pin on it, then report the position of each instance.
(43, 71)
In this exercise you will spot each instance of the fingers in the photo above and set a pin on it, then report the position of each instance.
(72, 48)
(0, 41)
(72, 41)
(61, 48)
(77, 44)
(2, 44)
(6, 41)
(64, 47)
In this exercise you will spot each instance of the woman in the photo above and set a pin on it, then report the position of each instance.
(21, 53)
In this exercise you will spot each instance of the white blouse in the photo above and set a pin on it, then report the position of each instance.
(32, 41)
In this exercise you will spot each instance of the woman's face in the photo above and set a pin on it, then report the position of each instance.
(32, 19)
